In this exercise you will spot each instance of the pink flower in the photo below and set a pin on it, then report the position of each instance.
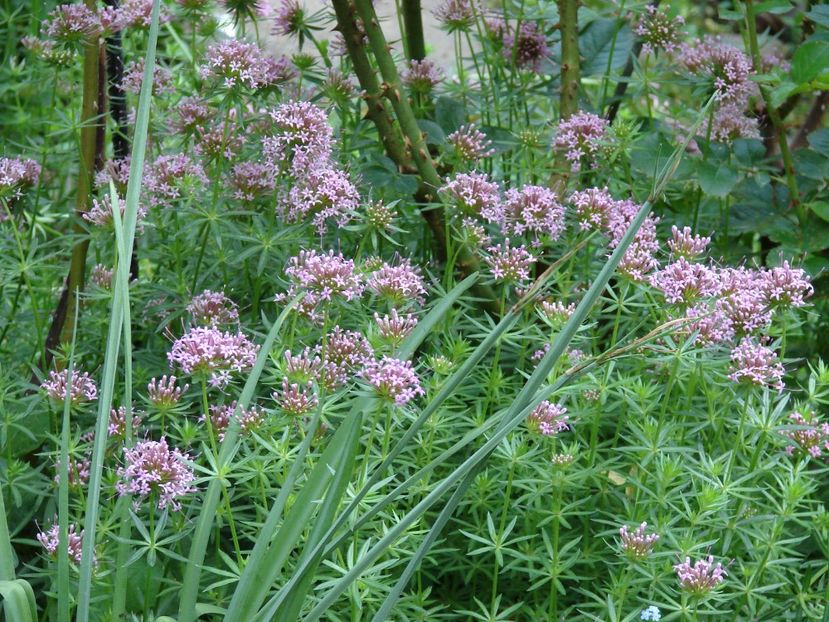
(118, 422)
(743, 300)
(100, 214)
(701, 577)
(400, 284)
(169, 174)
(296, 400)
(394, 328)
(637, 545)
(289, 18)
(421, 76)
(213, 309)
(323, 278)
(580, 136)
(533, 210)
(323, 195)
(82, 388)
(164, 393)
(474, 195)
(509, 264)
(152, 468)
(812, 437)
(682, 282)
(219, 142)
(470, 144)
(16, 175)
(784, 286)
(756, 364)
(455, 15)
(220, 417)
(50, 541)
(101, 276)
(209, 352)
(342, 353)
(528, 47)
(134, 77)
(728, 69)
(303, 138)
(593, 207)
(557, 311)
(252, 180)
(548, 419)
(730, 122)
(191, 114)
(658, 30)
(393, 379)
(236, 64)
(684, 244)
(73, 23)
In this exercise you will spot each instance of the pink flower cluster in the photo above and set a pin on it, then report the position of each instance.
(580, 137)
(509, 264)
(812, 437)
(295, 399)
(421, 76)
(532, 210)
(474, 195)
(213, 309)
(637, 545)
(701, 577)
(82, 389)
(164, 393)
(658, 30)
(393, 379)
(756, 364)
(117, 426)
(252, 180)
(728, 69)
(169, 174)
(303, 138)
(684, 243)
(470, 144)
(394, 328)
(50, 540)
(400, 284)
(134, 77)
(238, 64)
(455, 15)
(548, 419)
(322, 278)
(249, 418)
(152, 468)
(527, 47)
(100, 214)
(209, 352)
(323, 194)
(17, 174)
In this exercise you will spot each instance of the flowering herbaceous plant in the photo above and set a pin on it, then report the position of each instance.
(401, 311)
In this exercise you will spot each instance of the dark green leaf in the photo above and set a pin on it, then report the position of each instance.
(716, 178)
(603, 41)
(774, 6)
(819, 15)
(819, 141)
(810, 60)
(434, 133)
(450, 113)
(820, 208)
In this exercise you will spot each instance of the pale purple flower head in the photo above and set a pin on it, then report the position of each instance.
(323, 194)
(730, 122)
(16, 175)
(117, 426)
(219, 142)
(728, 69)
(73, 23)
(743, 299)
(289, 18)
(533, 210)
(593, 208)
(812, 437)
(117, 171)
(296, 400)
(169, 174)
(637, 545)
(152, 468)
(640, 257)
(684, 243)
(548, 419)
(252, 180)
(474, 195)
(236, 64)
(82, 388)
(756, 364)
(101, 276)
(213, 354)
(342, 354)
(221, 416)
(302, 367)
(400, 284)
(455, 15)
(421, 76)
(393, 327)
(134, 77)
(470, 144)
(711, 324)
(393, 379)
(580, 137)
(784, 286)
(136, 14)
(701, 577)
(509, 264)
(658, 30)
(191, 113)
(50, 541)
(556, 311)
(528, 47)
(303, 138)
(682, 282)
(323, 278)
(100, 214)
(213, 309)
(164, 392)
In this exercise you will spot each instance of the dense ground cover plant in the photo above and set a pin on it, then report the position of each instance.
(353, 335)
